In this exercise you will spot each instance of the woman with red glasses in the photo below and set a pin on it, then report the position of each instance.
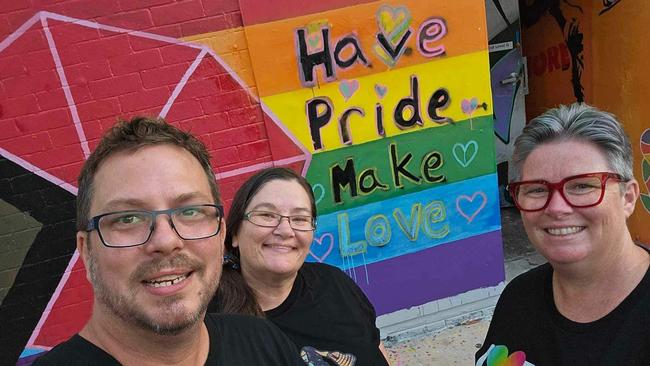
(590, 304)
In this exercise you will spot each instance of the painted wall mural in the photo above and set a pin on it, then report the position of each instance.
(645, 169)
(394, 103)
(615, 84)
(557, 44)
(608, 5)
(385, 107)
(508, 82)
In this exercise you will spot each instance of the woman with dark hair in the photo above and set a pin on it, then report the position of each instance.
(317, 305)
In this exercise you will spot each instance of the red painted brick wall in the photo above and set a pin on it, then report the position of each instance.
(68, 71)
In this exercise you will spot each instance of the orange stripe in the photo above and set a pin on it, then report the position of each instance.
(274, 52)
(231, 46)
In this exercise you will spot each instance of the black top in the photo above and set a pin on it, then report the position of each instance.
(328, 317)
(527, 325)
(234, 340)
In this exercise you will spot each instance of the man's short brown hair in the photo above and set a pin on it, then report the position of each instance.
(130, 136)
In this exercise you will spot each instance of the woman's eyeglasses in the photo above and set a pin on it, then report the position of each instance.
(583, 190)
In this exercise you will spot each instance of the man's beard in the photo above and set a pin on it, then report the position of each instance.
(125, 307)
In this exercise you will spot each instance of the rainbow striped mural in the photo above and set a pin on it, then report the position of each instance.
(645, 169)
(393, 102)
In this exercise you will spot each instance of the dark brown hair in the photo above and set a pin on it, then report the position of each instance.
(130, 136)
(234, 295)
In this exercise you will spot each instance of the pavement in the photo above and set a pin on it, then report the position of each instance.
(456, 345)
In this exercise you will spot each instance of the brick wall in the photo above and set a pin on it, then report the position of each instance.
(68, 71)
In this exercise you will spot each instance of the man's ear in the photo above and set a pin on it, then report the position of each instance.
(222, 234)
(83, 249)
(630, 196)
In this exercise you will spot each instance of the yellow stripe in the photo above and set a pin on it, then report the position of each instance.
(465, 77)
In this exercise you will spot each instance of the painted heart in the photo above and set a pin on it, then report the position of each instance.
(380, 90)
(465, 153)
(468, 207)
(499, 357)
(319, 244)
(393, 22)
(645, 171)
(318, 196)
(469, 106)
(315, 41)
(383, 55)
(645, 152)
(645, 141)
(348, 88)
(315, 35)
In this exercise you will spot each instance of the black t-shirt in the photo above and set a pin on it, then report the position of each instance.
(329, 318)
(527, 326)
(234, 340)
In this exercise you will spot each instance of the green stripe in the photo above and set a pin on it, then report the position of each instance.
(374, 158)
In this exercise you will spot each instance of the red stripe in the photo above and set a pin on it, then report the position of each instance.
(256, 12)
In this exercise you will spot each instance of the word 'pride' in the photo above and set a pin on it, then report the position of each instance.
(314, 49)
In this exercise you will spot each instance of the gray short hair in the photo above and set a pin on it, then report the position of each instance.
(580, 122)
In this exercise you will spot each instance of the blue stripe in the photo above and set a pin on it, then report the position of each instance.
(408, 223)
(31, 351)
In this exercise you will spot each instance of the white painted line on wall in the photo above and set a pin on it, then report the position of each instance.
(181, 84)
(66, 89)
(95, 25)
(38, 171)
(256, 167)
(55, 296)
(20, 31)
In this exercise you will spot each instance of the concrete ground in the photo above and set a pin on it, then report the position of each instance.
(457, 345)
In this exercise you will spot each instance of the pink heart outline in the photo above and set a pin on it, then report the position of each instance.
(319, 241)
(348, 88)
(471, 217)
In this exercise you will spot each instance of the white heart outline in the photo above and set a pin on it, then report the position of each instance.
(322, 194)
(464, 147)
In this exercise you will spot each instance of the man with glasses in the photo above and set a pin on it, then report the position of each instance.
(150, 233)
(589, 304)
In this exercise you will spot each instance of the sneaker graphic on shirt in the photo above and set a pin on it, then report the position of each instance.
(314, 357)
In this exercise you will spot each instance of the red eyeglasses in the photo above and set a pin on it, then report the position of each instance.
(583, 190)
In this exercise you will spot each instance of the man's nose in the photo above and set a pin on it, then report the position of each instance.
(164, 238)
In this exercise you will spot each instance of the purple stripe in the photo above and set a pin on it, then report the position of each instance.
(27, 361)
(435, 273)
